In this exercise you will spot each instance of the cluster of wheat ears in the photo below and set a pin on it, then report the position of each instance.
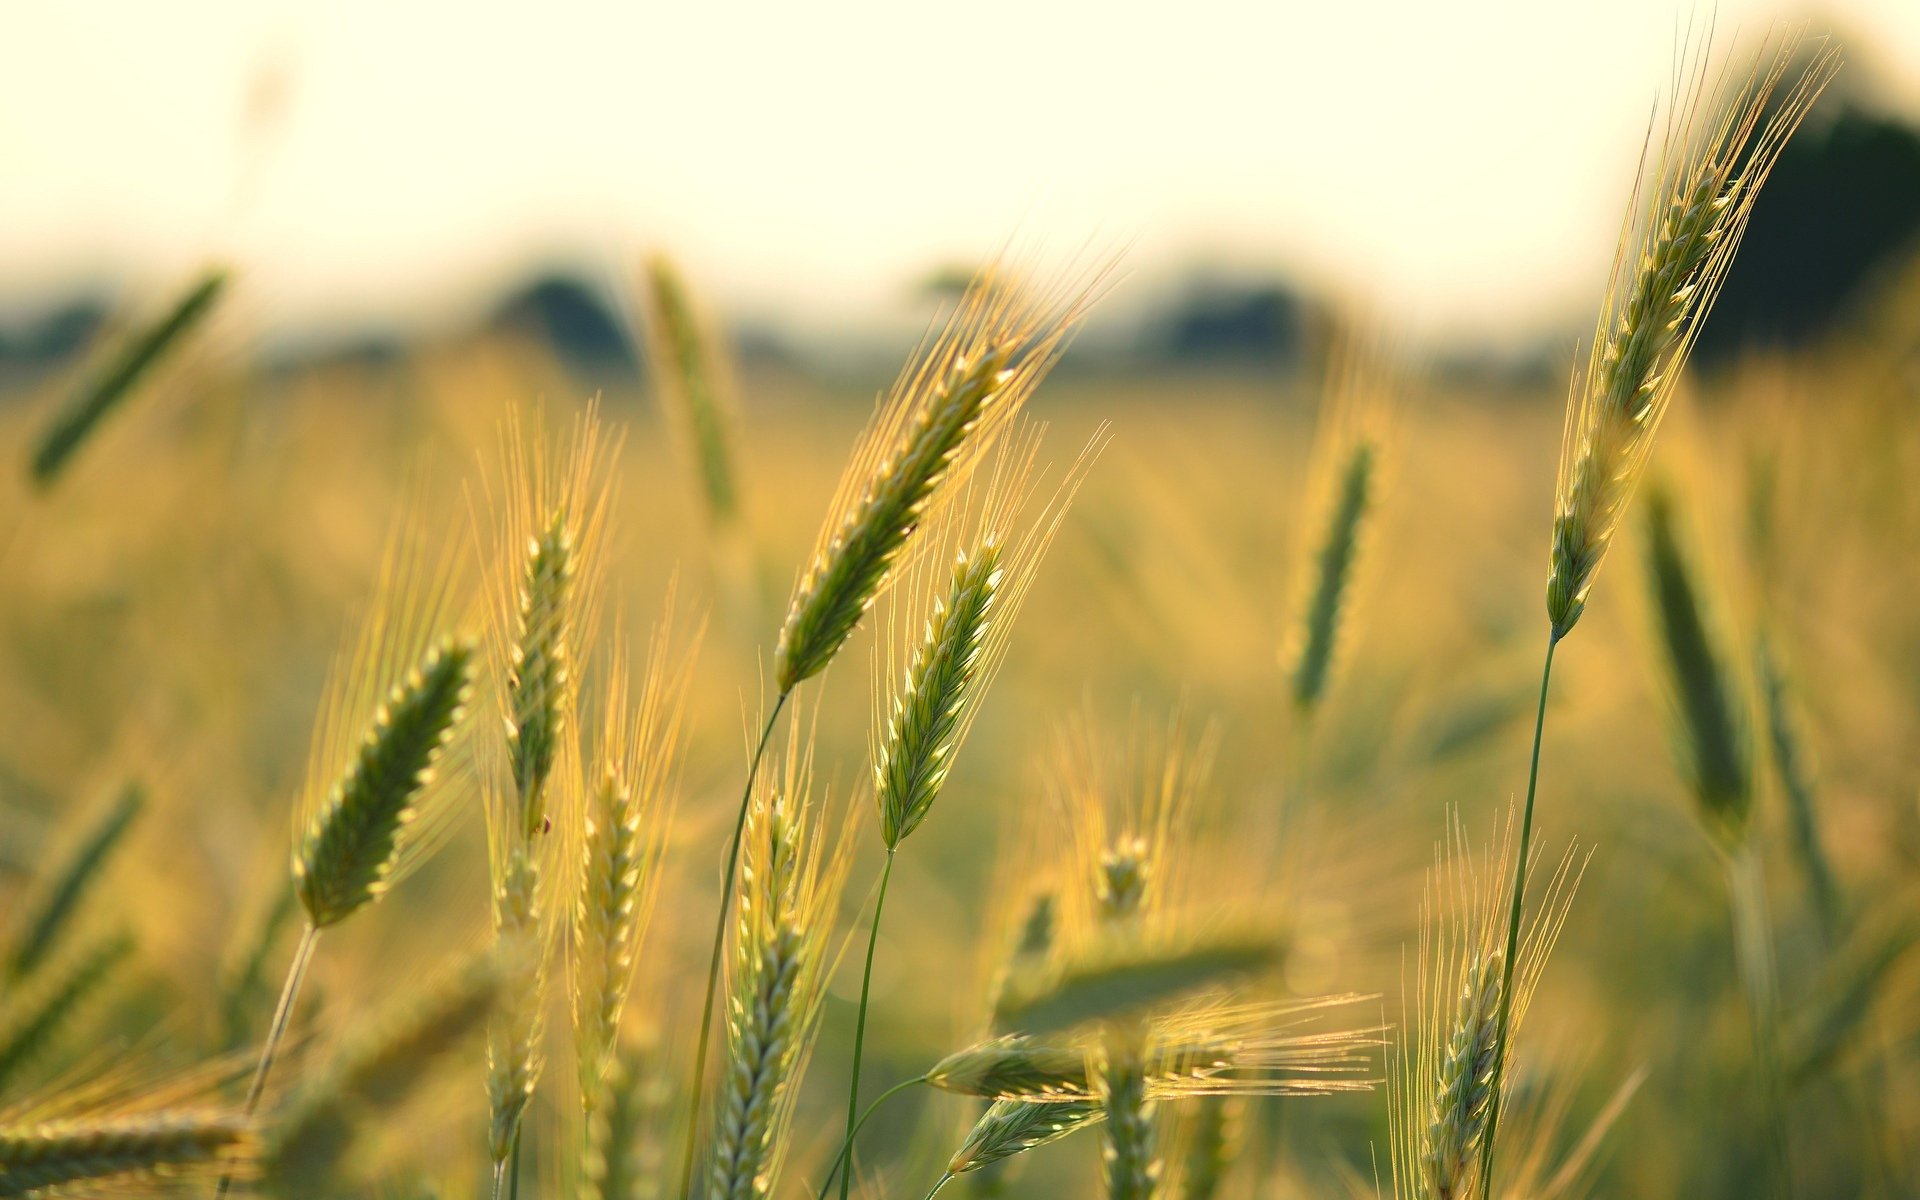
(1126, 999)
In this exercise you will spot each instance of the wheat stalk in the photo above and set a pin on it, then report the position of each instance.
(41, 926)
(32, 1017)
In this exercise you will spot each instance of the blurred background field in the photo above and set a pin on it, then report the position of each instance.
(169, 609)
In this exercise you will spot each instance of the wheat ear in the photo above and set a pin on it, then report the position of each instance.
(120, 373)
(119, 1150)
(1665, 278)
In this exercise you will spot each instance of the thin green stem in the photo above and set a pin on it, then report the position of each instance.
(1513, 928)
(713, 963)
(940, 1183)
(513, 1164)
(1753, 948)
(846, 1146)
(860, 1030)
(282, 1017)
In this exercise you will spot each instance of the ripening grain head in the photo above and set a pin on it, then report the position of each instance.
(629, 812)
(1721, 139)
(968, 588)
(1441, 1075)
(1344, 492)
(377, 795)
(790, 883)
(947, 410)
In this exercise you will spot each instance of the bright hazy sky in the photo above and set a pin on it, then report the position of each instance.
(1463, 164)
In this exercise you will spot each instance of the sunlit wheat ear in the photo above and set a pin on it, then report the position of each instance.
(1464, 1087)
(690, 371)
(120, 1151)
(351, 848)
(1441, 1078)
(789, 888)
(1253, 1048)
(545, 517)
(948, 408)
(944, 672)
(1719, 144)
(378, 792)
(33, 1015)
(1712, 739)
(1011, 1127)
(1347, 475)
(378, 1071)
(119, 373)
(71, 879)
(629, 813)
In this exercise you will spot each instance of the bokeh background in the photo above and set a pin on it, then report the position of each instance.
(435, 212)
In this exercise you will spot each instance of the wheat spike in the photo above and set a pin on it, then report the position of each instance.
(947, 410)
(119, 1150)
(351, 847)
(1011, 1127)
(1665, 279)
(1714, 742)
(690, 371)
(789, 885)
(1441, 1081)
(120, 373)
(1126, 976)
(1464, 1088)
(629, 816)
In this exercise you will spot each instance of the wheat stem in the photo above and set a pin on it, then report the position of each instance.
(860, 1030)
(719, 941)
(846, 1145)
(282, 1016)
(1512, 955)
(1753, 948)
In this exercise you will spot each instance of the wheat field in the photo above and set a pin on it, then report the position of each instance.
(459, 777)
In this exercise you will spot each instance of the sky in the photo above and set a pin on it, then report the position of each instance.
(1459, 167)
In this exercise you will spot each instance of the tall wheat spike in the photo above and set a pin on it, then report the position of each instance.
(547, 525)
(1720, 142)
